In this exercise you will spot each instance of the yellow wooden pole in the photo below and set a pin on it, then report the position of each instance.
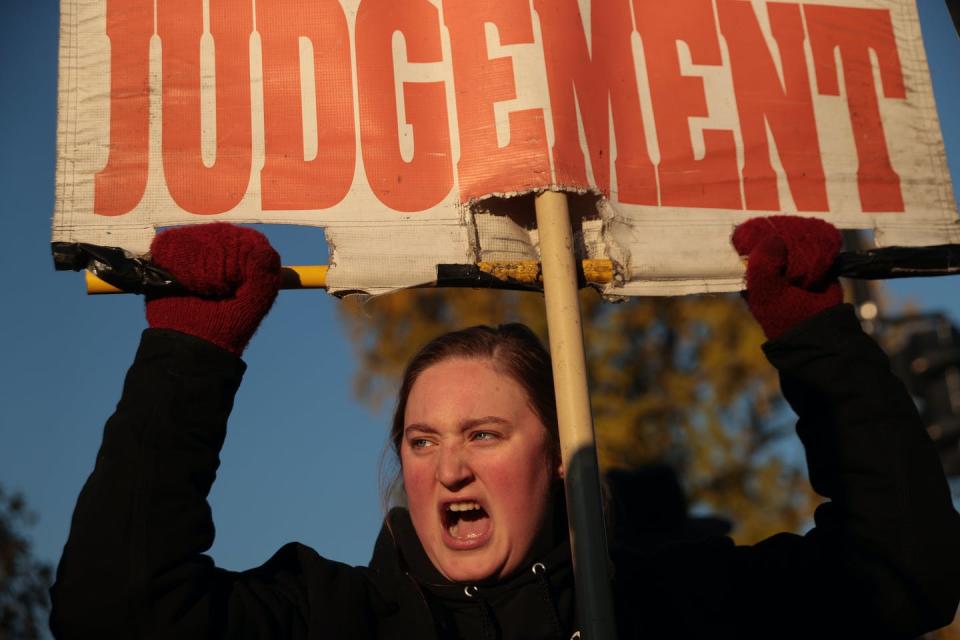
(96, 286)
(581, 472)
(871, 264)
(294, 277)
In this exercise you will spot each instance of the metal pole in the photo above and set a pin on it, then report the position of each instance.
(581, 474)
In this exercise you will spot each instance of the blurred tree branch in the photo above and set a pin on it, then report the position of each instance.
(24, 581)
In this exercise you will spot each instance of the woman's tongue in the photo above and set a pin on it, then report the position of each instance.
(469, 524)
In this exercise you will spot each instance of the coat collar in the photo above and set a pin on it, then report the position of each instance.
(537, 601)
(398, 545)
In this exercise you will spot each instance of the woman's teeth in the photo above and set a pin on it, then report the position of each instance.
(463, 506)
(466, 520)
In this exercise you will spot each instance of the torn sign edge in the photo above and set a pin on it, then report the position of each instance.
(126, 273)
(482, 234)
(130, 270)
(478, 234)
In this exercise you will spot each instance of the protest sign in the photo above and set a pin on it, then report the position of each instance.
(410, 130)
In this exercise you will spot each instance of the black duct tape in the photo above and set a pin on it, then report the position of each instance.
(899, 262)
(471, 276)
(135, 275)
(114, 266)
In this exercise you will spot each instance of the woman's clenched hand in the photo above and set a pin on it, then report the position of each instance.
(788, 269)
(232, 275)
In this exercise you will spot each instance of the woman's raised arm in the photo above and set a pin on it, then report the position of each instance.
(884, 557)
(134, 564)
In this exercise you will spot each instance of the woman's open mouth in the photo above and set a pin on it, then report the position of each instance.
(466, 524)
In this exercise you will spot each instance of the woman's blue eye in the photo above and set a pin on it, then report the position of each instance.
(419, 443)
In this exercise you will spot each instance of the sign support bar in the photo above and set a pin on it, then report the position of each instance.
(581, 473)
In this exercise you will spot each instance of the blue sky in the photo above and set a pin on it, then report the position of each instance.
(301, 459)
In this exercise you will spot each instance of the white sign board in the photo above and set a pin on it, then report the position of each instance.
(391, 123)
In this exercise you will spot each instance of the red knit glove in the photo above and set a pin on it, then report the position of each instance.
(788, 278)
(232, 274)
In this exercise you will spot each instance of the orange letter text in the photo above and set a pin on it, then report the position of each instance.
(855, 32)
(762, 101)
(480, 81)
(119, 187)
(287, 180)
(714, 180)
(423, 181)
(592, 82)
(194, 186)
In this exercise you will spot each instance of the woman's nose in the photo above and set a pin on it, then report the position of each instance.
(453, 470)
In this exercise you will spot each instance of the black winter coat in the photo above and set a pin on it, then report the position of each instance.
(882, 561)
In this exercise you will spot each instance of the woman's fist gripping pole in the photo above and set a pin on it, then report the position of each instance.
(789, 260)
(231, 275)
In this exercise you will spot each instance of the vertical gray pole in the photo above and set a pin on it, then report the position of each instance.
(581, 473)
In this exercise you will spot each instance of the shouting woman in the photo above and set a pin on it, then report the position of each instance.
(481, 550)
